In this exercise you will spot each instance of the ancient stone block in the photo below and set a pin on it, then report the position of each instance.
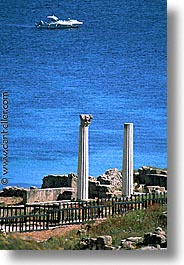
(103, 241)
(158, 237)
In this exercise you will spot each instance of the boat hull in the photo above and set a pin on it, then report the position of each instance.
(56, 26)
(59, 24)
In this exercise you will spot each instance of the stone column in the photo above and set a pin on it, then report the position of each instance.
(82, 187)
(127, 171)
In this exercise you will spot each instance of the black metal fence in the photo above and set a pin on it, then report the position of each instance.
(34, 217)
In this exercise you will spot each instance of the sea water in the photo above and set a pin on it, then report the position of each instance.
(113, 67)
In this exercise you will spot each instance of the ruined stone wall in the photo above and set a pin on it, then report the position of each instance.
(50, 194)
(62, 187)
(13, 191)
(56, 181)
(151, 176)
(34, 195)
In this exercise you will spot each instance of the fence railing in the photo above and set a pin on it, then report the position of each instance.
(24, 223)
(34, 217)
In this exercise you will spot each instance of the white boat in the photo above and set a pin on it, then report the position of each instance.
(54, 23)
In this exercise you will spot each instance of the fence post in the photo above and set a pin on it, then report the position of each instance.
(153, 198)
(47, 219)
(62, 215)
(59, 214)
(113, 206)
(139, 202)
(134, 206)
(83, 212)
(146, 200)
(25, 218)
(98, 208)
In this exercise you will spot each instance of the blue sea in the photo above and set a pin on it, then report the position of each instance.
(114, 67)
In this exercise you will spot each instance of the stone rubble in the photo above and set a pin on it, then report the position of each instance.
(151, 241)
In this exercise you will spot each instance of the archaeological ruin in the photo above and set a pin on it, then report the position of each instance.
(113, 183)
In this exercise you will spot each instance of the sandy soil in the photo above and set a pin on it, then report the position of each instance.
(46, 234)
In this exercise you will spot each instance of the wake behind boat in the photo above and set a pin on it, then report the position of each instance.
(54, 23)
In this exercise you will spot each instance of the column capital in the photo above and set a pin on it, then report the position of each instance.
(85, 119)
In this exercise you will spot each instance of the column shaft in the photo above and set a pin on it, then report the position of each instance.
(83, 167)
(127, 173)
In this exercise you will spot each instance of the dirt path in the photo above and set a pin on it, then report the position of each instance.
(46, 234)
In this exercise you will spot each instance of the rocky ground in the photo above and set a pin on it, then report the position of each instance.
(155, 240)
